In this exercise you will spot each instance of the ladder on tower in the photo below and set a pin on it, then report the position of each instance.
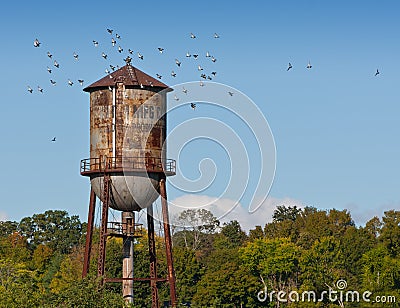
(104, 222)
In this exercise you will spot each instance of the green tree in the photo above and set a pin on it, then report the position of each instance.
(283, 212)
(53, 228)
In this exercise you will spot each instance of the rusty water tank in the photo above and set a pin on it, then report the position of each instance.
(127, 135)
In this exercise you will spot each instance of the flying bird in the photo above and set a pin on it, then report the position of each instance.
(81, 81)
(230, 93)
(214, 73)
(49, 54)
(49, 69)
(216, 35)
(184, 90)
(160, 49)
(208, 54)
(30, 90)
(76, 56)
(188, 55)
(309, 65)
(209, 78)
(96, 43)
(140, 56)
(176, 98)
(40, 89)
(53, 82)
(158, 76)
(113, 42)
(199, 68)
(213, 59)
(56, 64)
(193, 106)
(36, 43)
(195, 56)
(70, 82)
(289, 66)
(192, 36)
(377, 72)
(173, 74)
(112, 67)
(204, 76)
(178, 62)
(53, 140)
(104, 55)
(110, 31)
(120, 49)
(117, 36)
(201, 84)
(107, 71)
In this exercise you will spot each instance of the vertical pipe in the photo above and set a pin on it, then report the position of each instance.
(114, 128)
(128, 225)
(153, 258)
(89, 234)
(168, 243)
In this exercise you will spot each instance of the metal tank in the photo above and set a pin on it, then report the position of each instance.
(127, 135)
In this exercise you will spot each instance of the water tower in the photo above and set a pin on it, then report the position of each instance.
(128, 168)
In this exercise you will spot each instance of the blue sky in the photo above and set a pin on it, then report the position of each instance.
(335, 126)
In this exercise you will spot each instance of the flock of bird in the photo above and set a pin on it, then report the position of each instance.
(116, 41)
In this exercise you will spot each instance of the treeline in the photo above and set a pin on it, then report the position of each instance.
(303, 258)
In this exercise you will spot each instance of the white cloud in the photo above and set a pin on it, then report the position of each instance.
(227, 209)
(3, 216)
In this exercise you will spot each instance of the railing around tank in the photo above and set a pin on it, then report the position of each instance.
(127, 164)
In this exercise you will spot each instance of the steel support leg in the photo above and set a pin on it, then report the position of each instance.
(168, 243)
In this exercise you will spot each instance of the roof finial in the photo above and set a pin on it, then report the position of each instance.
(128, 60)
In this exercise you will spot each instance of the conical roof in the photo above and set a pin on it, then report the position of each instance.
(130, 76)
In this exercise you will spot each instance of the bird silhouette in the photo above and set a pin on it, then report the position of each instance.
(30, 90)
(230, 93)
(178, 62)
(110, 30)
(130, 51)
(81, 81)
(36, 43)
(188, 55)
(195, 56)
(49, 54)
(104, 55)
(140, 56)
(184, 90)
(53, 82)
(309, 65)
(208, 54)
(213, 59)
(192, 36)
(216, 35)
(56, 64)
(75, 56)
(49, 69)
(117, 36)
(214, 73)
(173, 74)
(176, 98)
(96, 43)
(199, 68)
(120, 49)
(193, 106)
(40, 89)
(70, 82)
(54, 139)
(289, 66)
(113, 42)
(377, 72)
(160, 49)
(158, 76)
